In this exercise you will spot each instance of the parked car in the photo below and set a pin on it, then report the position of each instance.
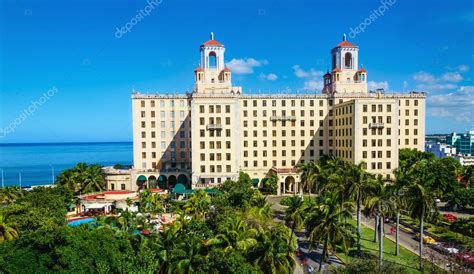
(465, 259)
(445, 248)
(426, 239)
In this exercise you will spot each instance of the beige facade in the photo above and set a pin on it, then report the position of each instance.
(210, 135)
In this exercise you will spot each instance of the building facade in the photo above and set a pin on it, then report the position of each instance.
(440, 150)
(208, 136)
(464, 143)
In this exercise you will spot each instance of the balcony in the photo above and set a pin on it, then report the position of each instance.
(282, 118)
(376, 125)
(214, 127)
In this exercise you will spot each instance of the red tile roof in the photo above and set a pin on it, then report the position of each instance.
(226, 69)
(212, 43)
(346, 44)
(336, 70)
(362, 70)
(198, 69)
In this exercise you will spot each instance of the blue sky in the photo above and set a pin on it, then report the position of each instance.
(70, 49)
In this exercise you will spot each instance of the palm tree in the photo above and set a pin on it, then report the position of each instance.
(92, 179)
(310, 173)
(235, 235)
(380, 203)
(357, 187)
(10, 194)
(260, 207)
(294, 214)
(271, 251)
(328, 223)
(8, 230)
(198, 205)
(396, 190)
(419, 198)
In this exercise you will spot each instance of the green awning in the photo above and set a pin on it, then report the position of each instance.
(212, 190)
(181, 189)
(141, 178)
(255, 181)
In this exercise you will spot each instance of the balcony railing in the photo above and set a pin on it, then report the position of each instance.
(282, 118)
(214, 127)
(376, 125)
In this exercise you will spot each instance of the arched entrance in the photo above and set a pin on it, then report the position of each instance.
(141, 181)
(162, 182)
(172, 181)
(290, 184)
(182, 179)
(152, 183)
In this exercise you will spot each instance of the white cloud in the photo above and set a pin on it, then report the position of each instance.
(457, 105)
(313, 85)
(313, 77)
(463, 68)
(245, 65)
(452, 77)
(466, 88)
(372, 85)
(405, 85)
(435, 87)
(269, 77)
(424, 77)
(300, 73)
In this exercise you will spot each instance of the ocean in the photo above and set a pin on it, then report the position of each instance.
(37, 162)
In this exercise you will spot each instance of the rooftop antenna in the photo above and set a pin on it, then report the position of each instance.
(212, 35)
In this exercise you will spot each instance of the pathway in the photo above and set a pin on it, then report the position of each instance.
(308, 261)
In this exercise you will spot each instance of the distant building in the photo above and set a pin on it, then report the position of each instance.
(464, 143)
(465, 160)
(440, 150)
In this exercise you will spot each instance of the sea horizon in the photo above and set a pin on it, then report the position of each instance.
(37, 163)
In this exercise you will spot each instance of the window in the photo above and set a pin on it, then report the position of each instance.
(348, 60)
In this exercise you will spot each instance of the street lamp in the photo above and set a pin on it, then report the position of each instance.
(52, 174)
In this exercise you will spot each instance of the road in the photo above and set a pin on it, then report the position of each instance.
(406, 240)
(311, 257)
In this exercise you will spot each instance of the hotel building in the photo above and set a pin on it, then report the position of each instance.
(203, 138)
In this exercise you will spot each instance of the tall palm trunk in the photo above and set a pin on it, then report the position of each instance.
(375, 227)
(397, 252)
(421, 238)
(325, 247)
(380, 242)
(291, 236)
(358, 225)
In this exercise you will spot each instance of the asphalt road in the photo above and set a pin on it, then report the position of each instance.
(312, 258)
(309, 258)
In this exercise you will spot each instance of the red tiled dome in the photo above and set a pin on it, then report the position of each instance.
(346, 44)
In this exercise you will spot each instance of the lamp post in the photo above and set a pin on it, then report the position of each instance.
(3, 183)
(52, 174)
(19, 178)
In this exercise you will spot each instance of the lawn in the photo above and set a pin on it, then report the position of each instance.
(407, 259)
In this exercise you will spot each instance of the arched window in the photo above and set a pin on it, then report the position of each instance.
(348, 60)
(212, 60)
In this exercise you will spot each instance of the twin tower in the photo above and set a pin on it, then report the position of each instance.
(213, 77)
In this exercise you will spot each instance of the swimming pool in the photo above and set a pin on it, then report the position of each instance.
(80, 221)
